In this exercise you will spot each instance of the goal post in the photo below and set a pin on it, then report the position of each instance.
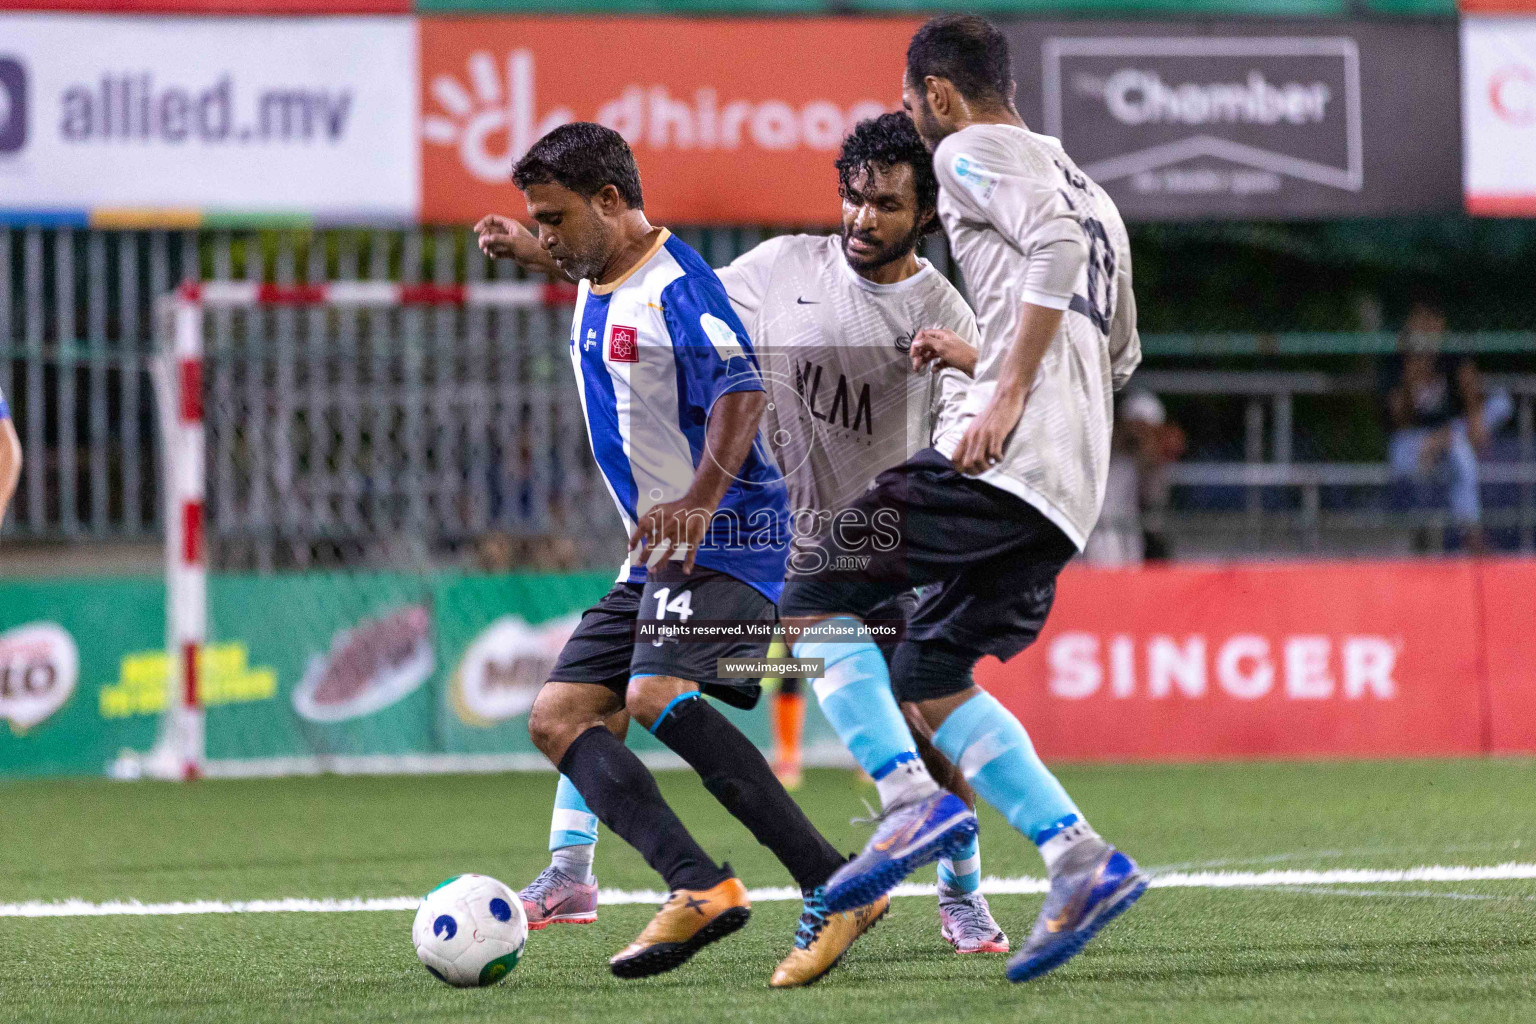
(186, 581)
(357, 432)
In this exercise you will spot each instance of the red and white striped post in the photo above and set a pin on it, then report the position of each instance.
(511, 294)
(187, 591)
(186, 561)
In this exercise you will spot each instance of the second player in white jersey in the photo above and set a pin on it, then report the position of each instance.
(866, 351)
(835, 350)
(993, 515)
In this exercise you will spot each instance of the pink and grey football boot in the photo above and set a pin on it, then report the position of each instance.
(557, 898)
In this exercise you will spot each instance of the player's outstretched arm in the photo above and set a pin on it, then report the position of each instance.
(684, 523)
(503, 238)
(10, 461)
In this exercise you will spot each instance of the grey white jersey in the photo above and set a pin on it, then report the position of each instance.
(834, 349)
(1026, 225)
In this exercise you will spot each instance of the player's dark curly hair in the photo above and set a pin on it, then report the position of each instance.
(969, 51)
(582, 157)
(888, 140)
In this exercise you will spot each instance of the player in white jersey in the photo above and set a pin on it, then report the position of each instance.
(673, 400)
(847, 328)
(991, 514)
(832, 319)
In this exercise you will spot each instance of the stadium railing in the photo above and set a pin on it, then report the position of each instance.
(1303, 526)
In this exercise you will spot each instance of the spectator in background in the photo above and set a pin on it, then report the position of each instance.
(10, 458)
(1441, 420)
(1143, 445)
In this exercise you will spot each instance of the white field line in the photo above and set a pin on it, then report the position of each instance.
(1335, 891)
(613, 897)
(1398, 852)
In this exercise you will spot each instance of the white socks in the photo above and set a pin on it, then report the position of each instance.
(1064, 842)
(575, 861)
(907, 782)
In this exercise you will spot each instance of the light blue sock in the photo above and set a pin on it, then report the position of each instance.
(573, 826)
(990, 746)
(854, 692)
(962, 872)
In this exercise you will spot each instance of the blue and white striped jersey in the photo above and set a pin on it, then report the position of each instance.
(653, 352)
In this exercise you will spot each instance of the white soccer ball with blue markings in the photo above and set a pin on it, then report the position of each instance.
(470, 931)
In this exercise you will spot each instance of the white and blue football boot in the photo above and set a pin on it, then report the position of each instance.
(906, 837)
(1096, 883)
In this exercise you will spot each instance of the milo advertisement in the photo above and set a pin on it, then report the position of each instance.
(63, 645)
(302, 672)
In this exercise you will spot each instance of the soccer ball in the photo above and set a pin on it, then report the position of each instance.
(470, 931)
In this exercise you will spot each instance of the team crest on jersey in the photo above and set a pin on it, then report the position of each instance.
(623, 345)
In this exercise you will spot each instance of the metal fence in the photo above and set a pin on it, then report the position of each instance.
(484, 439)
(467, 454)
(75, 329)
(378, 437)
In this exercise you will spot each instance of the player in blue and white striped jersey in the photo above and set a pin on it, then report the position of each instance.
(654, 350)
(673, 399)
(854, 310)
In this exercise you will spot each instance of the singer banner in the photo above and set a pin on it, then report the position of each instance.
(1341, 659)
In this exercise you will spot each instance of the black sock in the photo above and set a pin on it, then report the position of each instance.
(622, 793)
(734, 770)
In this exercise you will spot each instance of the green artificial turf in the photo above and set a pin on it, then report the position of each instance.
(1462, 952)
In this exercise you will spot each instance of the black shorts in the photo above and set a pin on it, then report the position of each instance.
(988, 559)
(603, 650)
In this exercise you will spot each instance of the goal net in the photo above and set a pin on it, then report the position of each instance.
(351, 471)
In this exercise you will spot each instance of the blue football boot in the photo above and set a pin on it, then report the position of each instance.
(906, 838)
(1097, 884)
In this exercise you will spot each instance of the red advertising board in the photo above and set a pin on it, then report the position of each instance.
(719, 138)
(1507, 604)
(1324, 659)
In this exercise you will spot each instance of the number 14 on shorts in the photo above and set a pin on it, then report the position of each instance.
(680, 606)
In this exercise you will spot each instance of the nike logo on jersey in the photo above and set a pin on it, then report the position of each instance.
(807, 302)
